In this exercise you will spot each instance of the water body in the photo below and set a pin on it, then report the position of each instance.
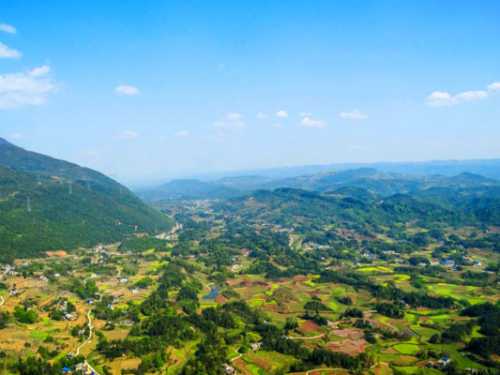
(214, 292)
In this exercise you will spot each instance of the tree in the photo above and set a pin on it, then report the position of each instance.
(210, 357)
(291, 324)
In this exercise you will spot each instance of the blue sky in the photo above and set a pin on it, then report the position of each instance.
(144, 90)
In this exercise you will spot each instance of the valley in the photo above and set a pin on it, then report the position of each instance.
(249, 187)
(274, 282)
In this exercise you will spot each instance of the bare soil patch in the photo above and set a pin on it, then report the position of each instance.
(348, 346)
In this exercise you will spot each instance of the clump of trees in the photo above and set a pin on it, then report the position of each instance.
(488, 317)
(25, 314)
(391, 310)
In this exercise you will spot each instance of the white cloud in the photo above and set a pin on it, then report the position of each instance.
(444, 98)
(282, 114)
(40, 71)
(309, 122)
(355, 115)
(8, 53)
(128, 135)
(305, 114)
(261, 115)
(231, 121)
(6, 28)
(182, 133)
(29, 88)
(468, 96)
(126, 90)
(440, 98)
(495, 86)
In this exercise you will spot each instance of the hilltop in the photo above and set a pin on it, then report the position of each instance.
(48, 204)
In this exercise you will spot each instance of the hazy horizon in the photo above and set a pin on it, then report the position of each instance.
(149, 91)
(286, 170)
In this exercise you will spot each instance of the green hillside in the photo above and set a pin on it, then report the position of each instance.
(47, 204)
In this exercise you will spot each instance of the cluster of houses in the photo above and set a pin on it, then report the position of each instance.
(14, 291)
(230, 370)
(441, 363)
(63, 307)
(9, 270)
(81, 369)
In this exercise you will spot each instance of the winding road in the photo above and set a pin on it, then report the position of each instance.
(91, 328)
(89, 339)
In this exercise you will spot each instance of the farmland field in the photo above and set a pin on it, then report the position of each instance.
(240, 287)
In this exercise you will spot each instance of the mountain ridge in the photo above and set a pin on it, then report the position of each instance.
(376, 181)
(48, 203)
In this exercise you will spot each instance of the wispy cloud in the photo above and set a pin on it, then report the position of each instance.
(282, 114)
(182, 133)
(445, 98)
(40, 71)
(495, 86)
(6, 28)
(30, 88)
(126, 90)
(128, 135)
(261, 116)
(354, 115)
(309, 122)
(230, 122)
(8, 53)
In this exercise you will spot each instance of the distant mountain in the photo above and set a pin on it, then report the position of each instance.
(485, 167)
(368, 179)
(47, 204)
(382, 183)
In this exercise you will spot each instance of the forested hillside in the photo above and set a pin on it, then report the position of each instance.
(48, 204)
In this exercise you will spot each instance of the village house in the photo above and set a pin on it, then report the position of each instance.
(229, 370)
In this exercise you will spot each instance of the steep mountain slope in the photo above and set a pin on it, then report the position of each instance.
(19, 159)
(46, 203)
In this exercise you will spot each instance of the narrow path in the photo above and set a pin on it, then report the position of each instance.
(237, 357)
(306, 337)
(91, 328)
(319, 369)
(89, 339)
(91, 368)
